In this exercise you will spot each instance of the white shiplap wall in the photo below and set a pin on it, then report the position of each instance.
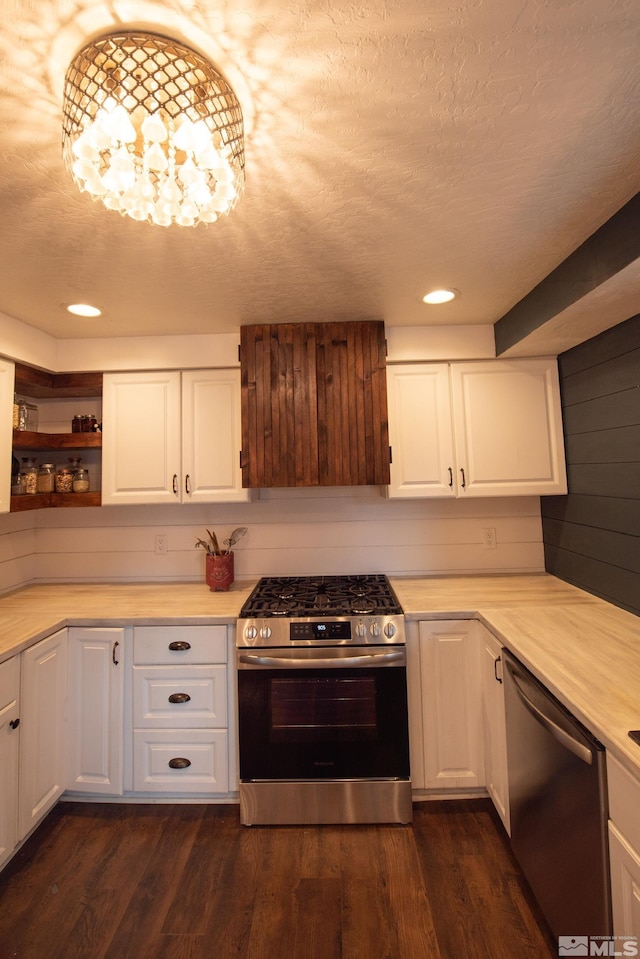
(291, 532)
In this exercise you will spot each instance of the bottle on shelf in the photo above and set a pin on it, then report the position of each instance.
(81, 480)
(29, 475)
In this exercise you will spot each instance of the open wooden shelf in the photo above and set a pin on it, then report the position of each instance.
(28, 440)
(43, 500)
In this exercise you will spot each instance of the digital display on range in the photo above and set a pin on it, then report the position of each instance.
(320, 630)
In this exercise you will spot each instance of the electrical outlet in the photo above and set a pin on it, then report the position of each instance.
(161, 544)
(488, 538)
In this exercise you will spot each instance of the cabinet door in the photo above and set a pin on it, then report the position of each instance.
(625, 885)
(494, 725)
(141, 438)
(508, 428)
(7, 379)
(9, 739)
(452, 711)
(43, 729)
(420, 431)
(96, 682)
(211, 437)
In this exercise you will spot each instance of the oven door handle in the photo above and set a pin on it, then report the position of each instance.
(367, 659)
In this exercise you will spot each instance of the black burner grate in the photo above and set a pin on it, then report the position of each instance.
(297, 596)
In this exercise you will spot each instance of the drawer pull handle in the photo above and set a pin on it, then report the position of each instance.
(179, 698)
(179, 763)
(180, 645)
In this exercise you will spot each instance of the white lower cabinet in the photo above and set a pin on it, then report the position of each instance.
(9, 743)
(180, 710)
(494, 723)
(624, 848)
(451, 736)
(96, 682)
(43, 729)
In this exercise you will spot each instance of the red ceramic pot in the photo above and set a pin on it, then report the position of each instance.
(219, 571)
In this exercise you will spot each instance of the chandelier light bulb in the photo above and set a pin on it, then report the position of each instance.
(153, 130)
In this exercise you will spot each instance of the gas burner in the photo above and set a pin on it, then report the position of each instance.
(362, 607)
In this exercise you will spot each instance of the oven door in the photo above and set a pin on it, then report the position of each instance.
(323, 714)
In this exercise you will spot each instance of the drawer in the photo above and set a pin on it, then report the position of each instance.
(624, 800)
(179, 697)
(165, 645)
(9, 683)
(205, 752)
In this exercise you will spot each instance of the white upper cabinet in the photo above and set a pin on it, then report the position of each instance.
(172, 437)
(7, 379)
(491, 428)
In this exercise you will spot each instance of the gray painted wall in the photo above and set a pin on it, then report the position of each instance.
(592, 535)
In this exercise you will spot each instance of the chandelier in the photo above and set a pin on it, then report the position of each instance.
(153, 130)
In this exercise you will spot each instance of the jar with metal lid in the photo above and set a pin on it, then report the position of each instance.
(29, 475)
(46, 478)
(64, 480)
(81, 480)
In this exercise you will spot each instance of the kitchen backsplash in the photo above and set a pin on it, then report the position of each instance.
(290, 532)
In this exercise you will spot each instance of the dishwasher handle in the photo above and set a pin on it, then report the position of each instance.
(559, 734)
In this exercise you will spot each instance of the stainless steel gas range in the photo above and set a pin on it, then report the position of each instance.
(322, 702)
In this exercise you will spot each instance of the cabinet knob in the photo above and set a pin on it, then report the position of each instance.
(14, 723)
(180, 645)
(179, 698)
(179, 763)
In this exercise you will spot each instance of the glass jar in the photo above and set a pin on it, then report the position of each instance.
(46, 478)
(64, 480)
(81, 480)
(76, 423)
(29, 475)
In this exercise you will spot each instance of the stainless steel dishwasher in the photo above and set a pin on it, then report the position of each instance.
(558, 805)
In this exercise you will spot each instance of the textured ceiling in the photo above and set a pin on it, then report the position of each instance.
(392, 146)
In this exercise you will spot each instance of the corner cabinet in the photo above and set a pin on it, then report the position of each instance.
(9, 754)
(490, 428)
(172, 437)
(43, 730)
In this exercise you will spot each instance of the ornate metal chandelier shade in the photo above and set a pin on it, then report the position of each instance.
(153, 130)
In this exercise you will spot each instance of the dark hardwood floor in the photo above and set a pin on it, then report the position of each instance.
(116, 881)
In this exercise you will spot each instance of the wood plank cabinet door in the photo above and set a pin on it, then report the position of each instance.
(141, 438)
(508, 428)
(420, 431)
(9, 742)
(96, 683)
(314, 405)
(494, 724)
(452, 711)
(43, 729)
(7, 379)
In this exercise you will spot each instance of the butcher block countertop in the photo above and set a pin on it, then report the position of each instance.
(586, 651)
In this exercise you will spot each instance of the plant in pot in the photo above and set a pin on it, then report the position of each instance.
(219, 572)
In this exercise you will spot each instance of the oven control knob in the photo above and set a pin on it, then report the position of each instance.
(251, 632)
(374, 629)
(265, 632)
(361, 629)
(389, 630)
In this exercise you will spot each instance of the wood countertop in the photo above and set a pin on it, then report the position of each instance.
(586, 651)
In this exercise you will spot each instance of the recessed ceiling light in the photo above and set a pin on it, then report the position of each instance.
(440, 296)
(84, 309)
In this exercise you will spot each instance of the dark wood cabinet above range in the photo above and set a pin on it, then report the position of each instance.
(314, 405)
